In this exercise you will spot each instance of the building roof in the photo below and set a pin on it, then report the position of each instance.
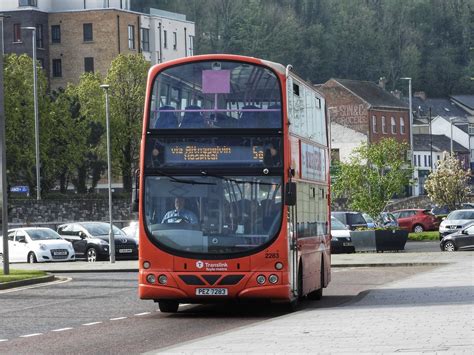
(372, 93)
(441, 143)
(440, 107)
(466, 100)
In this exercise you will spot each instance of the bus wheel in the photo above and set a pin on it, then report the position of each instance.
(168, 306)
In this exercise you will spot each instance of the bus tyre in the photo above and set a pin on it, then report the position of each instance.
(168, 306)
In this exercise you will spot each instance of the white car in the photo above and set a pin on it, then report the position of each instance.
(455, 221)
(132, 231)
(34, 245)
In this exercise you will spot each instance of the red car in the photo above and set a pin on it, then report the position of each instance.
(416, 220)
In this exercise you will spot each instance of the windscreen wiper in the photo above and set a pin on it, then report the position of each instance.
(182, 181)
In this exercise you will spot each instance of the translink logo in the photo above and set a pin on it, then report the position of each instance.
(199, 264)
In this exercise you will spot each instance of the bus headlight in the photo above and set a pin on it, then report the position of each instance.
(146, 264)
(261, 279)
(151, 278)
(278, 265)
(162, 279)
(273, 279)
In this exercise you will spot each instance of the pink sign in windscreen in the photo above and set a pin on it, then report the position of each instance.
(216, 81)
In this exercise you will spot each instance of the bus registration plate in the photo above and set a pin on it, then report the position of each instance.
(211, 292)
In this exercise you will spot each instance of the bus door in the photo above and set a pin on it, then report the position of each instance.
(293, 249)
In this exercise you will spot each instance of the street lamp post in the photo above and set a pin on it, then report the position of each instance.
(35, 98)
(410, 119)
(451, 119)
(109, 172)
(3, 171)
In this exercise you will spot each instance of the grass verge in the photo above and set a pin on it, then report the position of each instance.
(16, 275)
(424, 236)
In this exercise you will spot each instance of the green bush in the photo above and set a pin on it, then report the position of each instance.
(424, 236)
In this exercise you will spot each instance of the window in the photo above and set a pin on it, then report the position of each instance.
(57, 70)
(165, 39)
(39, 36)
(429, 161)
(394, 125)
(27, 3)
(384, 125)
(471, 129)
(89, 65)
(374, 124)
(175, 41)
(131, 37)
(414, 160)
(17, 32)
(87, 32)
(191, 46)
(426, 162)
(145, 39)
(402, 125)
(55, 34)
(419, 160)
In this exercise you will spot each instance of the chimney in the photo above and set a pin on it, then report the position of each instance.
(420, 95)
(396, 93)
(382, 82)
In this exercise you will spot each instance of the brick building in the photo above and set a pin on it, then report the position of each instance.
(362, 111)
(77, 36)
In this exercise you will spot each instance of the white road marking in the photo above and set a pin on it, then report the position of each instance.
(16, 289)
(142, 314)
(93, 323)
(3, 340)
(30, 335)
(61, 330)
(118, 318)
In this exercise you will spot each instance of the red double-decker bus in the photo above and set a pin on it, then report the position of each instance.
(234, 184)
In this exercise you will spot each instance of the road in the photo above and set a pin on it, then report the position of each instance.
(97, 313)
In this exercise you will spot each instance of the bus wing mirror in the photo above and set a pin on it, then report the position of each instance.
(135, 191)
(290, 194)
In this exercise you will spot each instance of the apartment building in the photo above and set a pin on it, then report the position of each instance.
(78, 36)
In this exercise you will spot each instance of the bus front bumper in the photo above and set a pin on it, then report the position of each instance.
(271, 292)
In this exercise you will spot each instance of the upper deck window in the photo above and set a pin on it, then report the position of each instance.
(216, 94)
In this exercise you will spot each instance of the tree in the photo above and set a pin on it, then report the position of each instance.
(447, 185)
(374, 174)
(127, 79)
(20, 124)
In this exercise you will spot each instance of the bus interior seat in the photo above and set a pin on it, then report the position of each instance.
(250, 119)
(166, 119)
(192, 119)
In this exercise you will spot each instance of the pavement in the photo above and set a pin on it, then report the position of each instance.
(429, 312)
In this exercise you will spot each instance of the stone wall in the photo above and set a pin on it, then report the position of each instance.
(54, 212)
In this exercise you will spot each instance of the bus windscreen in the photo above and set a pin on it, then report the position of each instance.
(216, 94)
(212, 214)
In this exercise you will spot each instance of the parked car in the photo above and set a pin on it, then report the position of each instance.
(440, 210)
(341, 241)
(416, 220)
(91, 241)
(387, 219)
(461, 240)
(352, 220)
(369, 220)
(34, 245)
(455, 221)
(132, 230)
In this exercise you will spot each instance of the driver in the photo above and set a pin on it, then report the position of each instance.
(179, 213)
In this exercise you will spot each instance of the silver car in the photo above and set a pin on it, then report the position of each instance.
(455, 221)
